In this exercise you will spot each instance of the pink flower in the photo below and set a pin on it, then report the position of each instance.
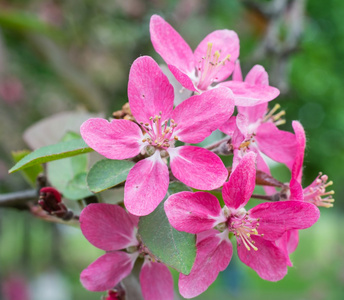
(151, 102)
(255, 128)
(256, 229)
(213, 61)
(110, 228)
(315, 193)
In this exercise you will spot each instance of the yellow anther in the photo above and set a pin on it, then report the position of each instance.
(271, 112)
(210, 46)
(244, 145)
(176, 138)
(277, 116)
(328, 184)
(279, 122)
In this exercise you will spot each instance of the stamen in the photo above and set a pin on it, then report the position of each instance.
(276, 119)
(243, 227)
(209, 66)
(316, 192)
(158, 133)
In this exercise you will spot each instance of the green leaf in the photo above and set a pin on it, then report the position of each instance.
(174, 248)
(107, 173)
(25, 22)
(68, 175)
(77, 188)
(31, 173)
(52, 152)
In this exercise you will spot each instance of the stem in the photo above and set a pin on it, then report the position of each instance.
(218, 143)
(19, 200)
(274, 197)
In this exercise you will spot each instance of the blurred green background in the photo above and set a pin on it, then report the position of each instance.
(63, 55)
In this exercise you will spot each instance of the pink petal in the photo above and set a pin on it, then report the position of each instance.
(242, 124)
(118, 139)
(226, 42)
(229, 127)
(262, 166)
(146, 185)
(288, 243)
(183, 78)
(180, 94)
(253, 113)
(237, 74)
(269, 261)
(300, 151)
(257, 76)
(170, 45)
(198, 116)
(193, 212)
(238, 190)
(156, 281)
(197, 167)
(282, 243)
(108, 226)
(149, 90)
(293, 240)
(246, 94)
(213, 256)
(279, 217)
(296, 191)
(107, 271)
(277, 144)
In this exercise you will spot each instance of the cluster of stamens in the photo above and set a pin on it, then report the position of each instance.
(209, 66)
(316, 192)
(157, 133)
(243, 227)
(275, 118)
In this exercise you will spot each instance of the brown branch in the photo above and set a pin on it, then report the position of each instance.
(19, 200)
(274, 197)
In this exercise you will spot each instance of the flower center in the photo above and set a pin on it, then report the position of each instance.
(243, 227)
(159, 134)
(209, 66)
(316, 192)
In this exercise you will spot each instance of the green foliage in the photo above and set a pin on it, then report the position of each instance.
(31, 173)
(25, 22)
(174, 248)
(52, 152)
(107, 173)
(69, 174)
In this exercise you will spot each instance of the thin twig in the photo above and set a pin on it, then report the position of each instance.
(274, 197)
(19, 200)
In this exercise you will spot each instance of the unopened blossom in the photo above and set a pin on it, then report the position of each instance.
(110, 228)
(255, 128)
(255, 230)
(50, 200)
(157, 129)
(212, 62)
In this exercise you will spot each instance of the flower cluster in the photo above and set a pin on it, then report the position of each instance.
(159, 139)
